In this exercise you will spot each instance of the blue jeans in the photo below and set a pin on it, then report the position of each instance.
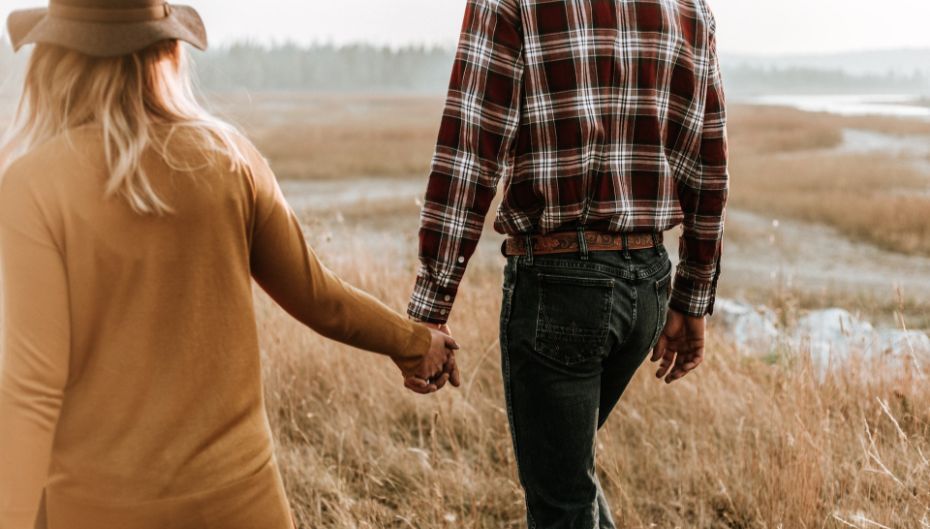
(574, 330)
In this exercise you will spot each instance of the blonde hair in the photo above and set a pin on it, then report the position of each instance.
(139, 100)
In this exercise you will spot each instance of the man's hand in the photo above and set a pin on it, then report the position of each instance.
(429, 373)
(450, 368)
(681, 346)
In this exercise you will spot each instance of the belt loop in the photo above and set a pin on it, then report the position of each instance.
(529, 250)
(625, 237)
(658, 245)
(582, 244)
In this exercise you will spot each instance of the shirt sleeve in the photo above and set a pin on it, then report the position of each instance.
(289, 271)
(476, 137)
(703, 201)
(36, 350)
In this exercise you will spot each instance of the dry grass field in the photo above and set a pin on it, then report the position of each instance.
(334, 137)
(744, 444)
(783, 165)
(750, 441)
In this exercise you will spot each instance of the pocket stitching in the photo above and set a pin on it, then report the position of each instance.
(597, 338)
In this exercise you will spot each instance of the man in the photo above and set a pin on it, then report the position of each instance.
(606, 120)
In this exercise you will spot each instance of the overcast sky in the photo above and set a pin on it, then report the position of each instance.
(746, 26)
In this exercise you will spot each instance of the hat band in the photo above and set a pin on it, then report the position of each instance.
(109, 15)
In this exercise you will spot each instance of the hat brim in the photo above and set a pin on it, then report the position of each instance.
(33, 26)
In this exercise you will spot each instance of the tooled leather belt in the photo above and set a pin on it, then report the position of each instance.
(570, 242)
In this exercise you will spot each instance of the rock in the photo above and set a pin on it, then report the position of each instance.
(835, 335)
(832, 337)
(752, 329)
(831, 333)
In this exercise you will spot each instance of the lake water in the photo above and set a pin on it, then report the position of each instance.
(903, 106)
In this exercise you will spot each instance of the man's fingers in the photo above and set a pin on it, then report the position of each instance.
(431, 367)
(441, 381)
(681, 346)
(456, 374)
(677, 375)
(452, 368)
(668, 360)
(694, 363)
(418, 385)
(659, 350)
(420, 390)
(452, 344)
(684, 365)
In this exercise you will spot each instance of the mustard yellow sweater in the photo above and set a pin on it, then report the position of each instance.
(130, 384)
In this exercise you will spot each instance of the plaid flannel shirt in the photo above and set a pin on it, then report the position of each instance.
(604, 114)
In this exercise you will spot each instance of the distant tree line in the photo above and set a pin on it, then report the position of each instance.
(365, 68)
(425, 70)
(743, 81)
(362, 68)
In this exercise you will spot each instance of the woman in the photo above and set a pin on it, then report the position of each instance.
(131, 222)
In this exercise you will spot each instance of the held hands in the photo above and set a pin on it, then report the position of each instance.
(430, 373)
(680, 348)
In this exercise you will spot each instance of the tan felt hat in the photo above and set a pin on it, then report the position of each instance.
(106, 28)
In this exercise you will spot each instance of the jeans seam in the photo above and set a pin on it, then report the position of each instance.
(665, 281)
(505, 369)
(634, 317)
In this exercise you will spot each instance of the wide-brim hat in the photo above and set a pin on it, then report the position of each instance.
(106, 28)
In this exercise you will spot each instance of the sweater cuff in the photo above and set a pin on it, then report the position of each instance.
(419, 343)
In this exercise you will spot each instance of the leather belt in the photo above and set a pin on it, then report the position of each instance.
(569, 242)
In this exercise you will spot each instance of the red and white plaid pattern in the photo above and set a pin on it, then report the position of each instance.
(605, 114)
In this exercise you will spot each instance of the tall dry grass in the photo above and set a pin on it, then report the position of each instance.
(867, 197)
(339, 136)
(757, 130)
(744, 443)
(782, 165)
(750, 441)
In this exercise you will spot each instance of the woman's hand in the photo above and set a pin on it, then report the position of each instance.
(431, 372)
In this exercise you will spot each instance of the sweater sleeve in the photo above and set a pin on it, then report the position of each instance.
(36, 350)
(290, 272)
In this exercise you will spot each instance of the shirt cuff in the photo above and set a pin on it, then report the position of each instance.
(692, 297)
(431, 303)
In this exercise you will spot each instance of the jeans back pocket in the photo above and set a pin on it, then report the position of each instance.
(574, 317)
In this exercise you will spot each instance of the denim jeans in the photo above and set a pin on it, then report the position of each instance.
(574, 330)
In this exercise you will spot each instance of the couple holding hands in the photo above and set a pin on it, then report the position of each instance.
(132, 223)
